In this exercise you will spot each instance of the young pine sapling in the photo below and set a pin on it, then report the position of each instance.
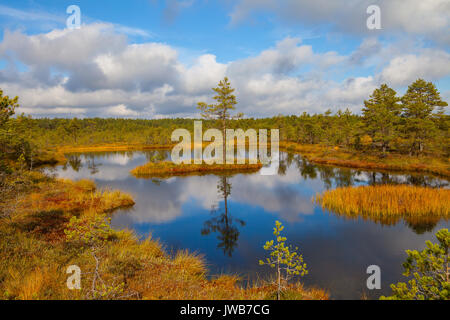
(288, 262)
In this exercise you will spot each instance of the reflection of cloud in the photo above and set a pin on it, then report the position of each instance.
(163, 202)
(119, 159)
(276, 194)
(106, 173)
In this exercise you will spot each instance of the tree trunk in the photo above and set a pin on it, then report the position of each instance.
(279, 277)
(224, 141)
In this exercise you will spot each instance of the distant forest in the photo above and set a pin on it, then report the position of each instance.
(415, 124)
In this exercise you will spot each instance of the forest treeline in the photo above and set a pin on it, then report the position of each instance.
(413, 124)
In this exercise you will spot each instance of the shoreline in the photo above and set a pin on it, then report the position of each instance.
(318, 154)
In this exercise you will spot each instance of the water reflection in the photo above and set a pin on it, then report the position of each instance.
(418, 224)
(75, 162)
(222, 221)
(92, 166)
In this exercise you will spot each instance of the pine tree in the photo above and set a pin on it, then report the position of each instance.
(7, 107)
(284, 258)
(381, 115)
(428, 270)
(226, 101)
(419, 103)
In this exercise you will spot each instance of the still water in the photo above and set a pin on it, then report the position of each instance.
(227, 219)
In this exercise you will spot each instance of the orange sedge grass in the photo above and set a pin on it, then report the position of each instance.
(169, 168)
(388, 203)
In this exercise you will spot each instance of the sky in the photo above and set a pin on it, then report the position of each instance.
(157, 59)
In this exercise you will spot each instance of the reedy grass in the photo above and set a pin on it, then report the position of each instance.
(80, 196)
(388, 203)
(168, 168)
(112, 147)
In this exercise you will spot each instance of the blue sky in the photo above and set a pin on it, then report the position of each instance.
(152, 59)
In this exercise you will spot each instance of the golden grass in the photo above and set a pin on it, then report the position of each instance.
(168, 168)
(388, 203)
(123, 147)
(336, 156)
(70, 196)
(113, 147)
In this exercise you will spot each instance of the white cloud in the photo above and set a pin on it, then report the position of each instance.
(205, 72)
(352, 91)
(122, 110)
(430, 65)
(94, 71)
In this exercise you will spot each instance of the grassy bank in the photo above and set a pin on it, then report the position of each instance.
(168, 168)
(54, 224)
(359, 160)
(112, 147)
(387, 203)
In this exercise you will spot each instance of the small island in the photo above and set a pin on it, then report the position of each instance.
(387, 204)
(166, 169)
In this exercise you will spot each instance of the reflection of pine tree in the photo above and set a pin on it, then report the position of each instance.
(307, 169)
(92, 165)
(223, 222)
(155, 155)
(75, 162)
(282, 164)
(422, 227)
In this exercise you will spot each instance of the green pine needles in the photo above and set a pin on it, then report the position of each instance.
(288, 262)
(430, 272)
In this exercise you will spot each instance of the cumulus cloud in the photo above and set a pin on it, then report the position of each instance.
(95, 71)
(352, 91)
(430, 64)
(122, 110)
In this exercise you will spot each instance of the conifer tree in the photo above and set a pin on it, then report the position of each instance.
(226, 102)
(429, 272)
(283, 258)
(381, 115)
(419, 102)
(7, 107)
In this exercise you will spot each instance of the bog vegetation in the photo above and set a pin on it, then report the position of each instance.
(386, 201)
(168, 169)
